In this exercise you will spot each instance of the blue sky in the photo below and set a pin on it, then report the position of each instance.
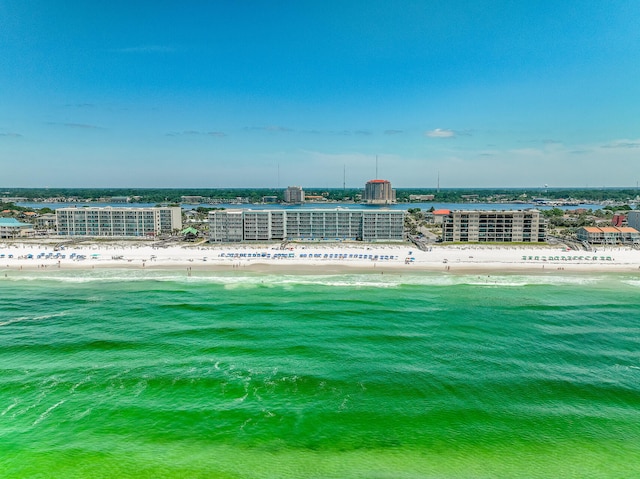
(273, 93)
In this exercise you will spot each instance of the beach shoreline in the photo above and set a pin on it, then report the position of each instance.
(313, 258)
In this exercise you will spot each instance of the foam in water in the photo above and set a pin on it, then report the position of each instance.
(252, 280)
(633, 282)
(41, 317)
(45, 414)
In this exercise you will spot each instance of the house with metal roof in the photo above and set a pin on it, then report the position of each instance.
(12, 228)
(608, 235)
(439, 215)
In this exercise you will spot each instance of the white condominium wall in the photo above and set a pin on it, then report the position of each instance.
(225, 226)
(118, 222)
(306, 224)
(633, 219)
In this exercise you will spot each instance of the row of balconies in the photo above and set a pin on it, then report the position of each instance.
(103, 220)
(106, 216)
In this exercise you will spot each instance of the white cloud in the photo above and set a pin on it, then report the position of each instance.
(440, 133)
(623, 144)
(215, 134)
(270, 128)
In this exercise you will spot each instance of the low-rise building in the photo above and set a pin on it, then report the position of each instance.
(306, 224)
(192, 199)
(608, 235)
(421, 197)
(118, 221)
(494, 226)
(12, 228)
(439, 215)
(45, 222)
(315, 198)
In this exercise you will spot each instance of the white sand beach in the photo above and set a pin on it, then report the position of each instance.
(313, 257)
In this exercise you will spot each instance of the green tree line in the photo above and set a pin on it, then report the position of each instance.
(460, 195)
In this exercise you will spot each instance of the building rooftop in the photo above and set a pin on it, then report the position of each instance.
(609, 229)
(12, 222)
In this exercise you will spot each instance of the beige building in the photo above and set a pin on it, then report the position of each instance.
(494, 226)
(421, 197)
(294, 194)
(315, 198)
(119, 221)
(45, 221)
(306, 224)
(379, 192)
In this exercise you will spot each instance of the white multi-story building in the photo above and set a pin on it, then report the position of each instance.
(306, 224)
(225, 226)
(294, 194)
(118, 221)
(494, 226)
(633, 219)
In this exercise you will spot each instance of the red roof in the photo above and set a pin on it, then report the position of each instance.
(442, 212)
(378, 181)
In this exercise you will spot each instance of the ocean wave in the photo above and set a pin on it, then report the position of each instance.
(41, 317)
(9, 407)
(45, 414)
(237, 280)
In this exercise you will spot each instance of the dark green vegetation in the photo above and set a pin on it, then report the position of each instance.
(460, 195)
(10, 206)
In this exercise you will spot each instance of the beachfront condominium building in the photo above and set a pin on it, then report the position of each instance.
(633, 219)
(119, 221)
(494, 226)
(294, 194)
(226, 226)
(379, 192)
(306, 224)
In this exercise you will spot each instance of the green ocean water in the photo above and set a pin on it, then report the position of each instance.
(151, 374)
